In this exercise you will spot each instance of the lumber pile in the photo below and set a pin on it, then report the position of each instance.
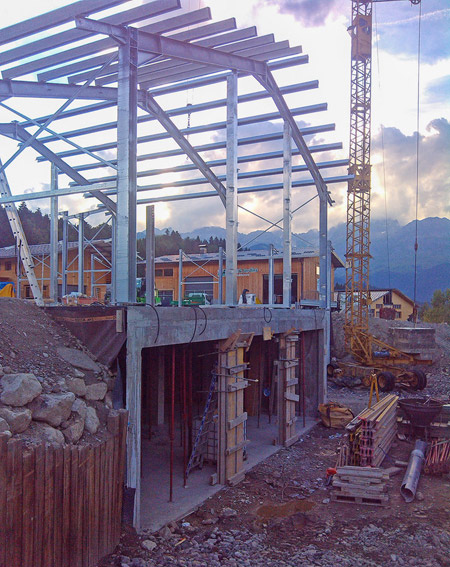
(360, 485)
(369, 435)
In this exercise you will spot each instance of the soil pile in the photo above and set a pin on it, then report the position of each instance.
(51, 388)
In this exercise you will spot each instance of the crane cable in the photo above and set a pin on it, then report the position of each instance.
(383, 160)
(416, 243)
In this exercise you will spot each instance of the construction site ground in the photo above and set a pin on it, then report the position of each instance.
(282, 513)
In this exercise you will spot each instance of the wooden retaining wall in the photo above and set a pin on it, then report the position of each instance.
(61, 506)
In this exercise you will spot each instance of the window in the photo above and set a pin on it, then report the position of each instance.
(166, 296)
(398, 314)
(158, 273)
(397, 306)
(28, 294)
(168, 272)
(8, 266)
(379, 305)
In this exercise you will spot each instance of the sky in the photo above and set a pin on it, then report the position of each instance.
(320, 27)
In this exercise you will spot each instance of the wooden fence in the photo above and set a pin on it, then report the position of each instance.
(61, 506)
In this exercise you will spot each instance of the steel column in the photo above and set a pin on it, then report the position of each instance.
(54, 236)
(64, 253)
(232, 191)
(220, 276)
(80, 253)
(323, 235)
(287, 236)
(150, 255)
(125, 249)
(271, 274)
(180, 278)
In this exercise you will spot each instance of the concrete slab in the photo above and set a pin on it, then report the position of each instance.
(156, 510)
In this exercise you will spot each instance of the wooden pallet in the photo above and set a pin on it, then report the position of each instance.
(380, 500)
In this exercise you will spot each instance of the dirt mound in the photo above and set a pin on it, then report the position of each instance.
(51, 389)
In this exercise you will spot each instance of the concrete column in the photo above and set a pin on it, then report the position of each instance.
(133, 405)
(287, 237)
(150, 255)
(64, 253)
(125, 249)
(232, 191)
(81, 253)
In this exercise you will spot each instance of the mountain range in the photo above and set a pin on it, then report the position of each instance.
(433, 255)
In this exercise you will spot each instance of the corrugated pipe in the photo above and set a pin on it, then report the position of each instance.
(412, 475)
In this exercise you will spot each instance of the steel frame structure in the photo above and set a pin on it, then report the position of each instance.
(130, 60)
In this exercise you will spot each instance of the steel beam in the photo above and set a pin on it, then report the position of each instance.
(17, 132)
(231, 207)
(125, 259)
(30, 89)
(271, 275)
(162, 117)
(153, 43)
(287, 236)
(54, 18)
(54, 235)
(134, 15)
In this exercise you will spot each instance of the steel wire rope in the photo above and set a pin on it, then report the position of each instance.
(383, 158)
(196, 319)
(416, 242)
(264, 314)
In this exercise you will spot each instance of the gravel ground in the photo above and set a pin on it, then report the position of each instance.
(281, 515)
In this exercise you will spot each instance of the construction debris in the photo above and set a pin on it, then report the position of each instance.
(438, 457)
(360, 485)
(369, 435)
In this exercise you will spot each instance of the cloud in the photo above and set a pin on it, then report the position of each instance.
(400, 168)
(312, 13)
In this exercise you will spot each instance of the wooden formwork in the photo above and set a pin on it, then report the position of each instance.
(287, 381)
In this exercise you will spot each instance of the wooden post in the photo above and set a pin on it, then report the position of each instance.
(287, 381)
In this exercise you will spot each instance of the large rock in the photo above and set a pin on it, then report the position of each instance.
(19, 389)
(92, 423)
(77, 386)
(74, 430)
(80, 408)
(4, 427)
(96, 391)
(47, 434)
(18, 419)
(78, 358)
(52, 408)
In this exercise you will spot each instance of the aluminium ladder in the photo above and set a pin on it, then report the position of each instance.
(19, 235)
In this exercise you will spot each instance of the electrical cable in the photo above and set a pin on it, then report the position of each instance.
(159, 324)
(416, 243)
(196, 319)
(206, 320)
(264, 314)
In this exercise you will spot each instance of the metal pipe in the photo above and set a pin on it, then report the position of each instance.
(180, 278)
(271, 275)
(150, 255)
(64, 254)
(220, 276)
(172, 423)
(412, 475)
(287, 236)
(184, 420)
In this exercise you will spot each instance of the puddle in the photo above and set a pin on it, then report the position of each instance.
(270, 512)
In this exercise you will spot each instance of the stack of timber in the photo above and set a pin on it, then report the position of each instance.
(360, 485)
(369, 435)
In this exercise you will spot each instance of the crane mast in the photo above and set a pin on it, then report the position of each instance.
(357, 338)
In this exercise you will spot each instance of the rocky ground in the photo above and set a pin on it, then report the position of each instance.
(50, 387)
(282, 514)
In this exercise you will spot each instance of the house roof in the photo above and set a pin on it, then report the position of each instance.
(246, 255)
(377, 294)
(44, 249)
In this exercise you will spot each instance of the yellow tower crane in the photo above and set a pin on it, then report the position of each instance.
(368, 352)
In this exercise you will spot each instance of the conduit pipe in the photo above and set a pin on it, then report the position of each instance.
(412, 475)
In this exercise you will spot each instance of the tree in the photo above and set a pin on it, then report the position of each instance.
(439, 310)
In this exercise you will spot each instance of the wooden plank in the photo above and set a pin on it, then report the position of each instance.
(28, 514)
(237, 420)
(83, 516)
(235, 479)
(290, 364)
(123, 440)
(336, 497)
(3, 491)
(90, 506)
(291, 397)
(241, 445)
(48, 487)
(75, 504)
(237, 368)
(65, 520)
(292, 382)
(108, 495)
(39, 499)
(292, 440)
(96, 518)
(58, 507)
(235, 386)
(14, 503)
